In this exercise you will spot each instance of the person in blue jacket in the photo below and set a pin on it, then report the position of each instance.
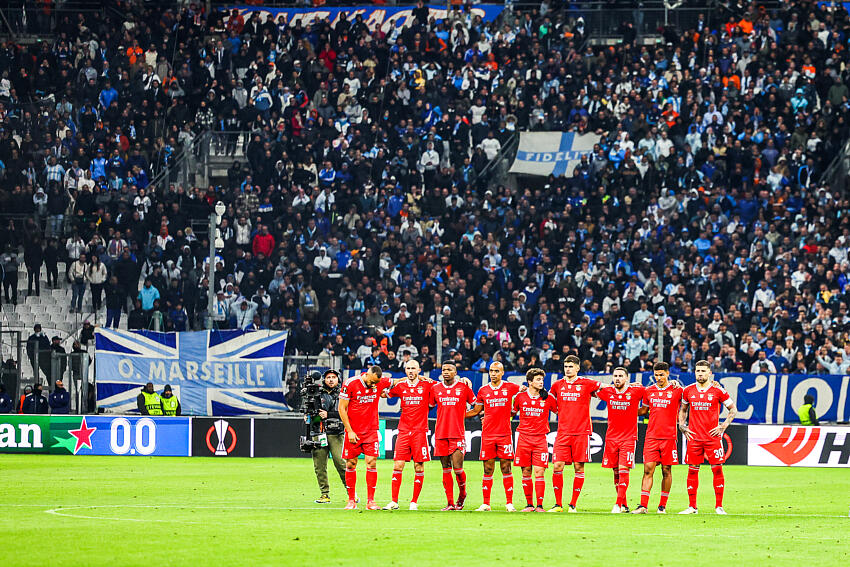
(35, 403)
(59, 400)
(6, 405)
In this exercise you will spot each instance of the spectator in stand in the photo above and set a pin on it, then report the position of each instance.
(35, 402)
(78, 273)
(6, 403)
(702, 201)
(59, 400)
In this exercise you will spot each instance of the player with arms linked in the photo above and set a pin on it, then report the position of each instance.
(358, 410)
(451, 398)
(701, 403)
(572, 445)
(412, 438)
(623, 401)
(495, 400)
(532, 448)
(662, 401)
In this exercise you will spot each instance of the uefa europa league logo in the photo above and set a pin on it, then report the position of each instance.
(221, 428)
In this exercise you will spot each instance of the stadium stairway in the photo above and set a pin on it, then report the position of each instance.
(52, 310)
(219, 161)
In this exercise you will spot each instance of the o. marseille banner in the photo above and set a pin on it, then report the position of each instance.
(387, 18)
(759, 398)
(211, 372)
(551, 153)
(799, 446)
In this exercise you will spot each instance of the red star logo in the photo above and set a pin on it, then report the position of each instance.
(83, 435)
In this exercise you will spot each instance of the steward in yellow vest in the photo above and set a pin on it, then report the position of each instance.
(149, 402)
(806, 412)
(170, 403)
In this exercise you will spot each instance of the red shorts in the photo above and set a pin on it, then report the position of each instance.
(412, 446)
(496, 448)
(661, 451)
(445, 447)
(532, 451)
(571, 449)
(710, 450)
(366, 445)
(619, 454)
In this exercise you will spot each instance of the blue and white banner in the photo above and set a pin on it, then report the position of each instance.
(555, 153)
(387, 18)
(759, 398)
(211, 372)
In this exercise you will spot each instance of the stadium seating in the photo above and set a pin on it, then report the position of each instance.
(716, 143)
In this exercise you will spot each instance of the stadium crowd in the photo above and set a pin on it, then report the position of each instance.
(366, 205)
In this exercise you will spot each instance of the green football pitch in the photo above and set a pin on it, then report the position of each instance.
(205, 511)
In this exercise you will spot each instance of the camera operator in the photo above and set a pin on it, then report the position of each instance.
(328, 426)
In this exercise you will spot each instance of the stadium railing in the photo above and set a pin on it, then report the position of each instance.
(837, 173)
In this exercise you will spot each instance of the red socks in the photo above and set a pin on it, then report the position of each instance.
(449, 486)
(719, 481)
(664, 497)
(558, 486)
(528, 489)
(644, 498)
(508, 482)
(460, 475)
(622, 487)
(371, 483)
(418, 480)
(540, 489)
(396, 484)
(486, 488)
(693, 484)
(578, 482)
(351, 482)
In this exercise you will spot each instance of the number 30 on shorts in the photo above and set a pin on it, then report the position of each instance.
(718, 453)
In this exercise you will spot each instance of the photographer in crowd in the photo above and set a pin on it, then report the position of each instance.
(327, 429)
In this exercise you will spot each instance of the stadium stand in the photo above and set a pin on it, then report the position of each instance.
(364, 188)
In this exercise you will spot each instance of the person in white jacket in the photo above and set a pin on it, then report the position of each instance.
(244, 313)
(322, 261)
(243, 233)
(491, 146)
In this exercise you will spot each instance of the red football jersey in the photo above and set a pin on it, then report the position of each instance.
(363, 403)
(663, 410)
(414, 404)
(573, 405)
(451, 402)
(533, 413)
(705, 409)
(622, 411)
(497, 409)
